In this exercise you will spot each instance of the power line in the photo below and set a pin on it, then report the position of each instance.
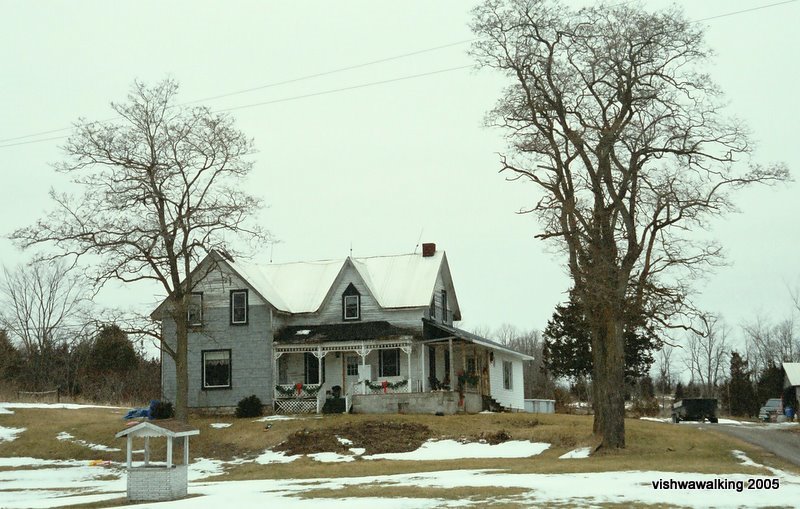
(338, 70)
(335, 90)
(745, 10)
(261, 87)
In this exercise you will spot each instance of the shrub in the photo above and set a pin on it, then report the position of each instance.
(161, 410)
(645, 407)
(249, 407)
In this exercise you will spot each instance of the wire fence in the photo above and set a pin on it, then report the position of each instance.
(40, 395)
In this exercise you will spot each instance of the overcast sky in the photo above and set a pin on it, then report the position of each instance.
(380, 167)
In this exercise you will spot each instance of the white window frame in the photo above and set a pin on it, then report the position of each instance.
(246, 304)
(195, 305)
(225, 353)
(508, 375)
(357, 307)
(348, 365)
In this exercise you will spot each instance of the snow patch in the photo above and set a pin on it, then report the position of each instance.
(220, 425)
(95, 447)
(61, 406)
(344, 441)
(330, 457)
(5, 411)
(580, 453)
(276, 418)
(270, 456)
(452, 450)
(10, 434)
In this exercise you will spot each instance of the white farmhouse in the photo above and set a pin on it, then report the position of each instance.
(371, 335)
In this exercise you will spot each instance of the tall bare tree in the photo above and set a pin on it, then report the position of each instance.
(610, 113)
(162, 187)
(706, 352)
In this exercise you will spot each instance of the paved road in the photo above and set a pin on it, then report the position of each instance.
(782, 443)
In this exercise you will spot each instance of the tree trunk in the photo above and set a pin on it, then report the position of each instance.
(181, 367)
(608, 355)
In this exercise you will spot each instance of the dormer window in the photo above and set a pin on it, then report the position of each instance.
(351, 304)
(444, 306)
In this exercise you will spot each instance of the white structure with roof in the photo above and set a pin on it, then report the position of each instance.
(157, 481)
(297, 334)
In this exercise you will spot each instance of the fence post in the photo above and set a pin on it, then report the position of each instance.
(58, 394)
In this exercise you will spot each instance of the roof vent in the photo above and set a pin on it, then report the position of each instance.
(428, 249)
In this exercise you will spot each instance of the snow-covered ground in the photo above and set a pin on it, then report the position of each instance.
(95, 447)
(9, 434)
(580, 453)
(76, 482)
(728, 421)
(5, 406)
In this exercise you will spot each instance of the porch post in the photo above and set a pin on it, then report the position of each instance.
(423, 378)
(363, 363)
(452, 373)
(129, 453)
(186, 450)
(408, 353)
(320, 360)
(146, 450)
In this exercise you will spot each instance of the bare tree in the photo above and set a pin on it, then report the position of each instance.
(664, 366)
(706, 352)
(43, 308)
(162, 187)
(610, 114)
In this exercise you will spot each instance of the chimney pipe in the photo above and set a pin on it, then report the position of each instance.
(428, 249)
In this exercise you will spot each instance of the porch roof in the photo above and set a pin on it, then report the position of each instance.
(435, 330)
(341, 332)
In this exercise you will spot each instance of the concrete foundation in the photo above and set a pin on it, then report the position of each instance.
(416, 403)
(157, 483)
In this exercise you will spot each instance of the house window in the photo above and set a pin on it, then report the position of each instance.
(351, 303)
(311, 375)
(444, 306)
(216, 369)
(432, 311)
(283, 370)
(194, 312)
(508, 378)
(351, 362)
(238, 307)
(471, 365)
(389, 362)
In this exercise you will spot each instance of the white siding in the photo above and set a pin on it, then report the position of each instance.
(514, 398)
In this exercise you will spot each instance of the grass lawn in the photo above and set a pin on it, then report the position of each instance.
(650, 445)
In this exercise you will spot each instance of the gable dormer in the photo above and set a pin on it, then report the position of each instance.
(351, 304)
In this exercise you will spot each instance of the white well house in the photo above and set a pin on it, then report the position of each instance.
(157, 481)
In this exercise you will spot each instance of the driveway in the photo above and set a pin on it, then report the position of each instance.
(775, 438)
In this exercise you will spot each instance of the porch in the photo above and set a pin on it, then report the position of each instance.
(381, 376)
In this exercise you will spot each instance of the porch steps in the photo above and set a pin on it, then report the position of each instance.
(491, 404)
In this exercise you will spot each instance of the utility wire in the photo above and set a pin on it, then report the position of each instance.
(338, 70)
(262, 87)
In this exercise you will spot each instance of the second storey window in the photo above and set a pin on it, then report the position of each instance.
(238, 307)
(351, 303)
(444, 305)
(194, 313)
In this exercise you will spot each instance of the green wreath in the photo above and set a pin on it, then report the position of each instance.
(389, 385)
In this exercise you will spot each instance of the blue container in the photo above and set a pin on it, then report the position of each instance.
(789, 412)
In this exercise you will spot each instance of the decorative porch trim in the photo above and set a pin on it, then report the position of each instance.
(363, 348)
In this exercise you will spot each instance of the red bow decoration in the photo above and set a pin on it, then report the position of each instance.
(299, 387)
(384, 384)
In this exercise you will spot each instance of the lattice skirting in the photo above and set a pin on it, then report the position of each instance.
(296, 406)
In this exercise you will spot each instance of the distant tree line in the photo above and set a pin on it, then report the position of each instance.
(50, 339)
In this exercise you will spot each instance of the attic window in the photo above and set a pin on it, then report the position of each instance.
(194, 312)
(238, 307)
(351, 303)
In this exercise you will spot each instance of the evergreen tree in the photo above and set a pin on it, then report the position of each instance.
(10, 358)
(770, 383)
(742, 397)
(111, 352)
(568, 346)
(679, 391)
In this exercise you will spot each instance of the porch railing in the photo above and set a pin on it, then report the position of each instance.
(386, 387)
(297, 391)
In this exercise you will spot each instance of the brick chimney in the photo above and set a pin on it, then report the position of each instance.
(428, 249)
